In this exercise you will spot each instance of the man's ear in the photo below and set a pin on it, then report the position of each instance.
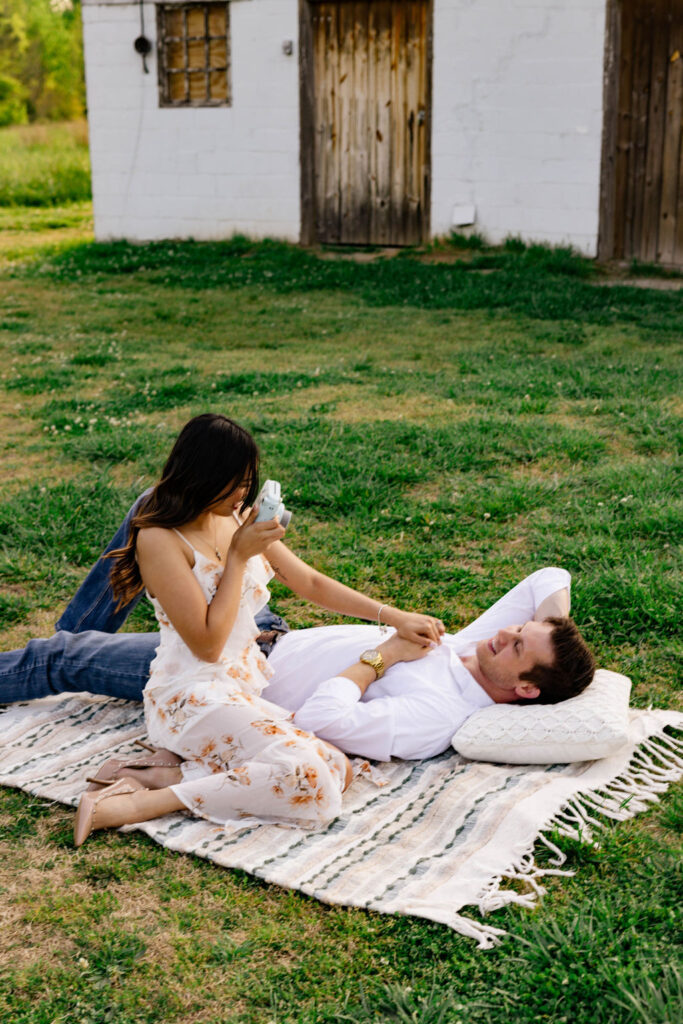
(527, 691)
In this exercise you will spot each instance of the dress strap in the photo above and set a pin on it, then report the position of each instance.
(183, 537)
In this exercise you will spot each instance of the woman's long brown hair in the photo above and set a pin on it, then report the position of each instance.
(211, 453)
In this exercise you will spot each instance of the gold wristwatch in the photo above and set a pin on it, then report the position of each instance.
(375, 660)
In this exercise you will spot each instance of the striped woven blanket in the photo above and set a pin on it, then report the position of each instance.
(438, 837)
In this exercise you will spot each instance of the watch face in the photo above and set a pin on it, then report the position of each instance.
(370, 654)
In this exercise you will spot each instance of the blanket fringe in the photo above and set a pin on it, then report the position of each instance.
(654, 764)
(485, 935)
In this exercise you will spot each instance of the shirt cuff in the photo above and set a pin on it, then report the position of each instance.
(549, 581)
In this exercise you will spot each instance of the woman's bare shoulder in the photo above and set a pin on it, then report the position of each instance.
(153, 539)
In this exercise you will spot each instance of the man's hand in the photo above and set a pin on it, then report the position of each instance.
(393, 650)
(396, 649)
(419, 629)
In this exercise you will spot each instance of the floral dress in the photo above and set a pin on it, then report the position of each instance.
(244, 757)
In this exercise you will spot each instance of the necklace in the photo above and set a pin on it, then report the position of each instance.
(215, 540)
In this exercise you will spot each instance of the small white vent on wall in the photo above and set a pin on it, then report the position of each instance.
(463, 216)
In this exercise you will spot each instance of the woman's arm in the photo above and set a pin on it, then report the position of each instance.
(328, 593)
(168, 576)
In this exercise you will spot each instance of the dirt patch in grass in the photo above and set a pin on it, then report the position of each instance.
(28, 872)
(413, 408)
(674, 404)
(40, 624)
(658, 283)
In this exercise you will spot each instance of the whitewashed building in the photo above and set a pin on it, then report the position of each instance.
(389, 121)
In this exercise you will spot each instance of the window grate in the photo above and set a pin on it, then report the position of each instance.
(194, 54)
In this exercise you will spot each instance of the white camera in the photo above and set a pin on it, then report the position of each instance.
(270, 504)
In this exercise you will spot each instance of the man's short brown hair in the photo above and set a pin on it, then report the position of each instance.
(572, 669)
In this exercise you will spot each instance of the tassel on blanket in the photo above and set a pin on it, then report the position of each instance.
(628, 794)
(654, 764)
(485, 935)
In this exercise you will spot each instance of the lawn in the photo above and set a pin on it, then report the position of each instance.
(441, 427)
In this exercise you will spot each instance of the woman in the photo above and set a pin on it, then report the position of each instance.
(234, 754)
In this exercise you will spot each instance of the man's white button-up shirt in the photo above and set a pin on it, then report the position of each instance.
(416, 707)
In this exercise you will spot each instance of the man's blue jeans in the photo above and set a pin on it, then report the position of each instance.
(86, 653)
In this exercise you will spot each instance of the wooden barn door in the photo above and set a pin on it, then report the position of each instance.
(642, 181)
(366, 81)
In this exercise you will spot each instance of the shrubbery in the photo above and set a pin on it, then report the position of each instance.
(41, 61)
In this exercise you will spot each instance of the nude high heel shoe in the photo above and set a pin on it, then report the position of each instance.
(87, 808)
(115, 768)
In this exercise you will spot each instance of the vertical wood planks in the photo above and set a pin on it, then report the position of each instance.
(642, 57)
(671, 206)
(642, 189)
(307, 139)
(373, 125)
(416, 101)
(360, 170)
(652, 184)
(397, 135)
(330, 179)
(382, 100)
(370, 71)
(625, 154)
(610, 153)
(347, 121)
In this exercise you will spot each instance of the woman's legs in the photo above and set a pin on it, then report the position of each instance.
(293, 779)
(131, 808)
(245, 758)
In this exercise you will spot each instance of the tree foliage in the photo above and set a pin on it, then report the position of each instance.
(41, 61)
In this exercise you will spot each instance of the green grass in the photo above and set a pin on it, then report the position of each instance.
(439, 432)
(554, 286)
(44, 165)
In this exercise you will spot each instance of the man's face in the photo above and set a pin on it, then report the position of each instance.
(512, 651)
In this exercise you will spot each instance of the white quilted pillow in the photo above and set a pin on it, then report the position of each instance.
(592, 725)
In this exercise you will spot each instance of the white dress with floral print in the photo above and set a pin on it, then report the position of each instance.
(244, 757)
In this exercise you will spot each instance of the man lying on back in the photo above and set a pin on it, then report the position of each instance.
(369, 694)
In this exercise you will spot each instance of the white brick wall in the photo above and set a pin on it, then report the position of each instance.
(202, 173)
(517, 117)
(517, 123)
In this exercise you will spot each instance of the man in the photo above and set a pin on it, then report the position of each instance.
(523, 648)
(368, 695)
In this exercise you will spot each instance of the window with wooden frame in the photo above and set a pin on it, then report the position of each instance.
(194, 54)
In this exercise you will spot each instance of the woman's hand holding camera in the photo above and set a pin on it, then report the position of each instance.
(253, 538)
